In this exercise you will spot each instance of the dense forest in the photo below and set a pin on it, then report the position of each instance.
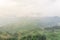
(31, 29)
(27, 35)
(34, 34)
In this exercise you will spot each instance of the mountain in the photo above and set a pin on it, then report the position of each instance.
(50, 21)
(28, 23)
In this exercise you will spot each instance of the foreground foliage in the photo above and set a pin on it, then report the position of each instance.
(35, 34)
(29, 35)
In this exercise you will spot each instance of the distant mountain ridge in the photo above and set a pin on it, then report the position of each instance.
(51, 21)
(28, 23)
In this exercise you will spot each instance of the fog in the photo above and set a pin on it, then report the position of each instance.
(18, 8)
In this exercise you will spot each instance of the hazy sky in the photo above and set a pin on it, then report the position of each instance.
(17, 8)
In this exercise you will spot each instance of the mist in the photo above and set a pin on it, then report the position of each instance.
(18, 8)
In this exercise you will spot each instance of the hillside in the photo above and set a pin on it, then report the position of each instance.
(29, 23)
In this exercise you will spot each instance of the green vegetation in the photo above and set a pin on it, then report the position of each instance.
(28, 35)
(29, 29)
(34, 34)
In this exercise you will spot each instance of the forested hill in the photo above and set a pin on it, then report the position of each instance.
(28, 23)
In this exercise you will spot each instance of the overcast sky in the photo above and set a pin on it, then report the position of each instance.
(18, 8)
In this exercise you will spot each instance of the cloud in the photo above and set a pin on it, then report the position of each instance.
(17, 8)
(20, 7)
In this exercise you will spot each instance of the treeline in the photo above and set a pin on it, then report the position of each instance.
(32, 35)
(35, 34)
